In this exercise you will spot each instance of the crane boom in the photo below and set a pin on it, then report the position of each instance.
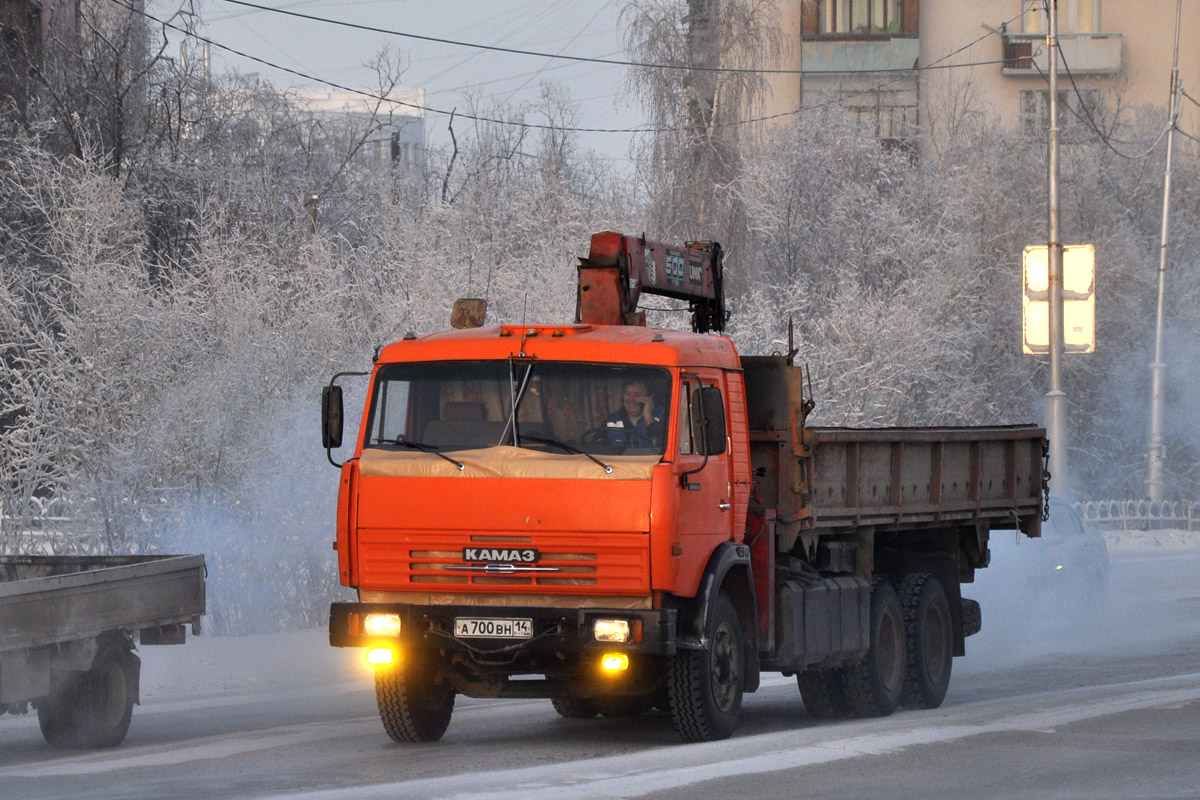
(620, 268)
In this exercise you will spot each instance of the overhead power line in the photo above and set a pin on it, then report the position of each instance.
(565, 57)
(1090, 121)
(938, 64)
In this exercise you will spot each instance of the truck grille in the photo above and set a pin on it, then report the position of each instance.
(616, 563)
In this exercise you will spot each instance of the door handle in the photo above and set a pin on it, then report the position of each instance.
(724, 506)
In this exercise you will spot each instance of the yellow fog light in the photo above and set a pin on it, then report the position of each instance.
(615, 662)
(611, 630)
(382, 625)
(379, 656)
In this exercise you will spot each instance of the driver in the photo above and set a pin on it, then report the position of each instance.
(637, 423)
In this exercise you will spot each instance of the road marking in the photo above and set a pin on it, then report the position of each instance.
(639, 774)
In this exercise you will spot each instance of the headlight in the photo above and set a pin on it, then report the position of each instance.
(382, 625)
(611, 630)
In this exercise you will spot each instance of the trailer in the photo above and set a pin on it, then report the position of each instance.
(68, 631)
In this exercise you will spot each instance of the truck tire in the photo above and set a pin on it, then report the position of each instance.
(972, 616)
(824, 693)
(104, 697)
(705, 686)
(623, 706)
(929, 635)
(575, 707)
(56, 715)
(414, 705)
(874, 685)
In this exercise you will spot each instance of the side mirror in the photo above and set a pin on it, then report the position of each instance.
(331, 417)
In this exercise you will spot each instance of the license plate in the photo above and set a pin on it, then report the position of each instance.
(491, 628)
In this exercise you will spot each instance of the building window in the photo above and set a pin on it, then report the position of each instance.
(1072, 113)
(1074, 16)
(859, 17)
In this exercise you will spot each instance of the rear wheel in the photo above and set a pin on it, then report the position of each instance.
(705, 686)
(56, 716)
(414, 703)
(930, 640)
(93, 708)
(824, 693)
(874, 685)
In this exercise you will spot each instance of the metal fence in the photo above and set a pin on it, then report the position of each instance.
(1140, 515)
(46, 526)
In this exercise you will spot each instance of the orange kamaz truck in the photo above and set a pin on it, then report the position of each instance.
(618, 518)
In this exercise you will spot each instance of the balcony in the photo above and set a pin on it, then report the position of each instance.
(848, 56)
(1084, 53)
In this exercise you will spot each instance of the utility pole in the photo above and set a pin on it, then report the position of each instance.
(1154, 471)
(1056, 398)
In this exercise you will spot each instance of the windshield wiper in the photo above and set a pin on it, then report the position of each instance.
(426, 448)
(564, 446)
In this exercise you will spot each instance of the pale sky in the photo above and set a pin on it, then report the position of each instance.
(447, 73)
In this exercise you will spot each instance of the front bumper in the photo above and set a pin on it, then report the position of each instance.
(555, 630)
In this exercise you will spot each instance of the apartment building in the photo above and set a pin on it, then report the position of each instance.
(984, 57)
(395, 132)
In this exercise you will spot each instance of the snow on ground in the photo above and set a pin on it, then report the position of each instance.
(1156, 541)
(262, 664)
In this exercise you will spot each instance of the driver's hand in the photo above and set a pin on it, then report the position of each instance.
(647, 407)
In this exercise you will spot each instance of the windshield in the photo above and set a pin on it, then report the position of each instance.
(561, 407)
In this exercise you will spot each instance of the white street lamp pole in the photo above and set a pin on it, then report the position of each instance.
(1154, 471)
(1056, 398)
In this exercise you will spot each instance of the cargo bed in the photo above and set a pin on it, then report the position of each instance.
(48, 600)
(67, 636)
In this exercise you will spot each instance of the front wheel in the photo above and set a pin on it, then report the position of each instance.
(705, 686)
(575, 707)
(414, 703)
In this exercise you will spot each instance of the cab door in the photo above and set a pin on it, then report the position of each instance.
(702, 471)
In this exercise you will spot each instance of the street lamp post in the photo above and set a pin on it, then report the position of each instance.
(1154, 467)
(1056, 398)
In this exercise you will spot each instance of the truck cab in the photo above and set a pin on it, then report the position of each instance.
(566, 513)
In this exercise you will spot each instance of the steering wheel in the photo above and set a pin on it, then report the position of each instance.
(596, 435)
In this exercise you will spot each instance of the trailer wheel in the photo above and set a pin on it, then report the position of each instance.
(824, 693)
(575, 707)
(413, 705)
(874, 685)
(930, 638)
(705, 686)
(105, 696)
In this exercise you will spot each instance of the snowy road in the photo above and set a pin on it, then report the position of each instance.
(1114, 713)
